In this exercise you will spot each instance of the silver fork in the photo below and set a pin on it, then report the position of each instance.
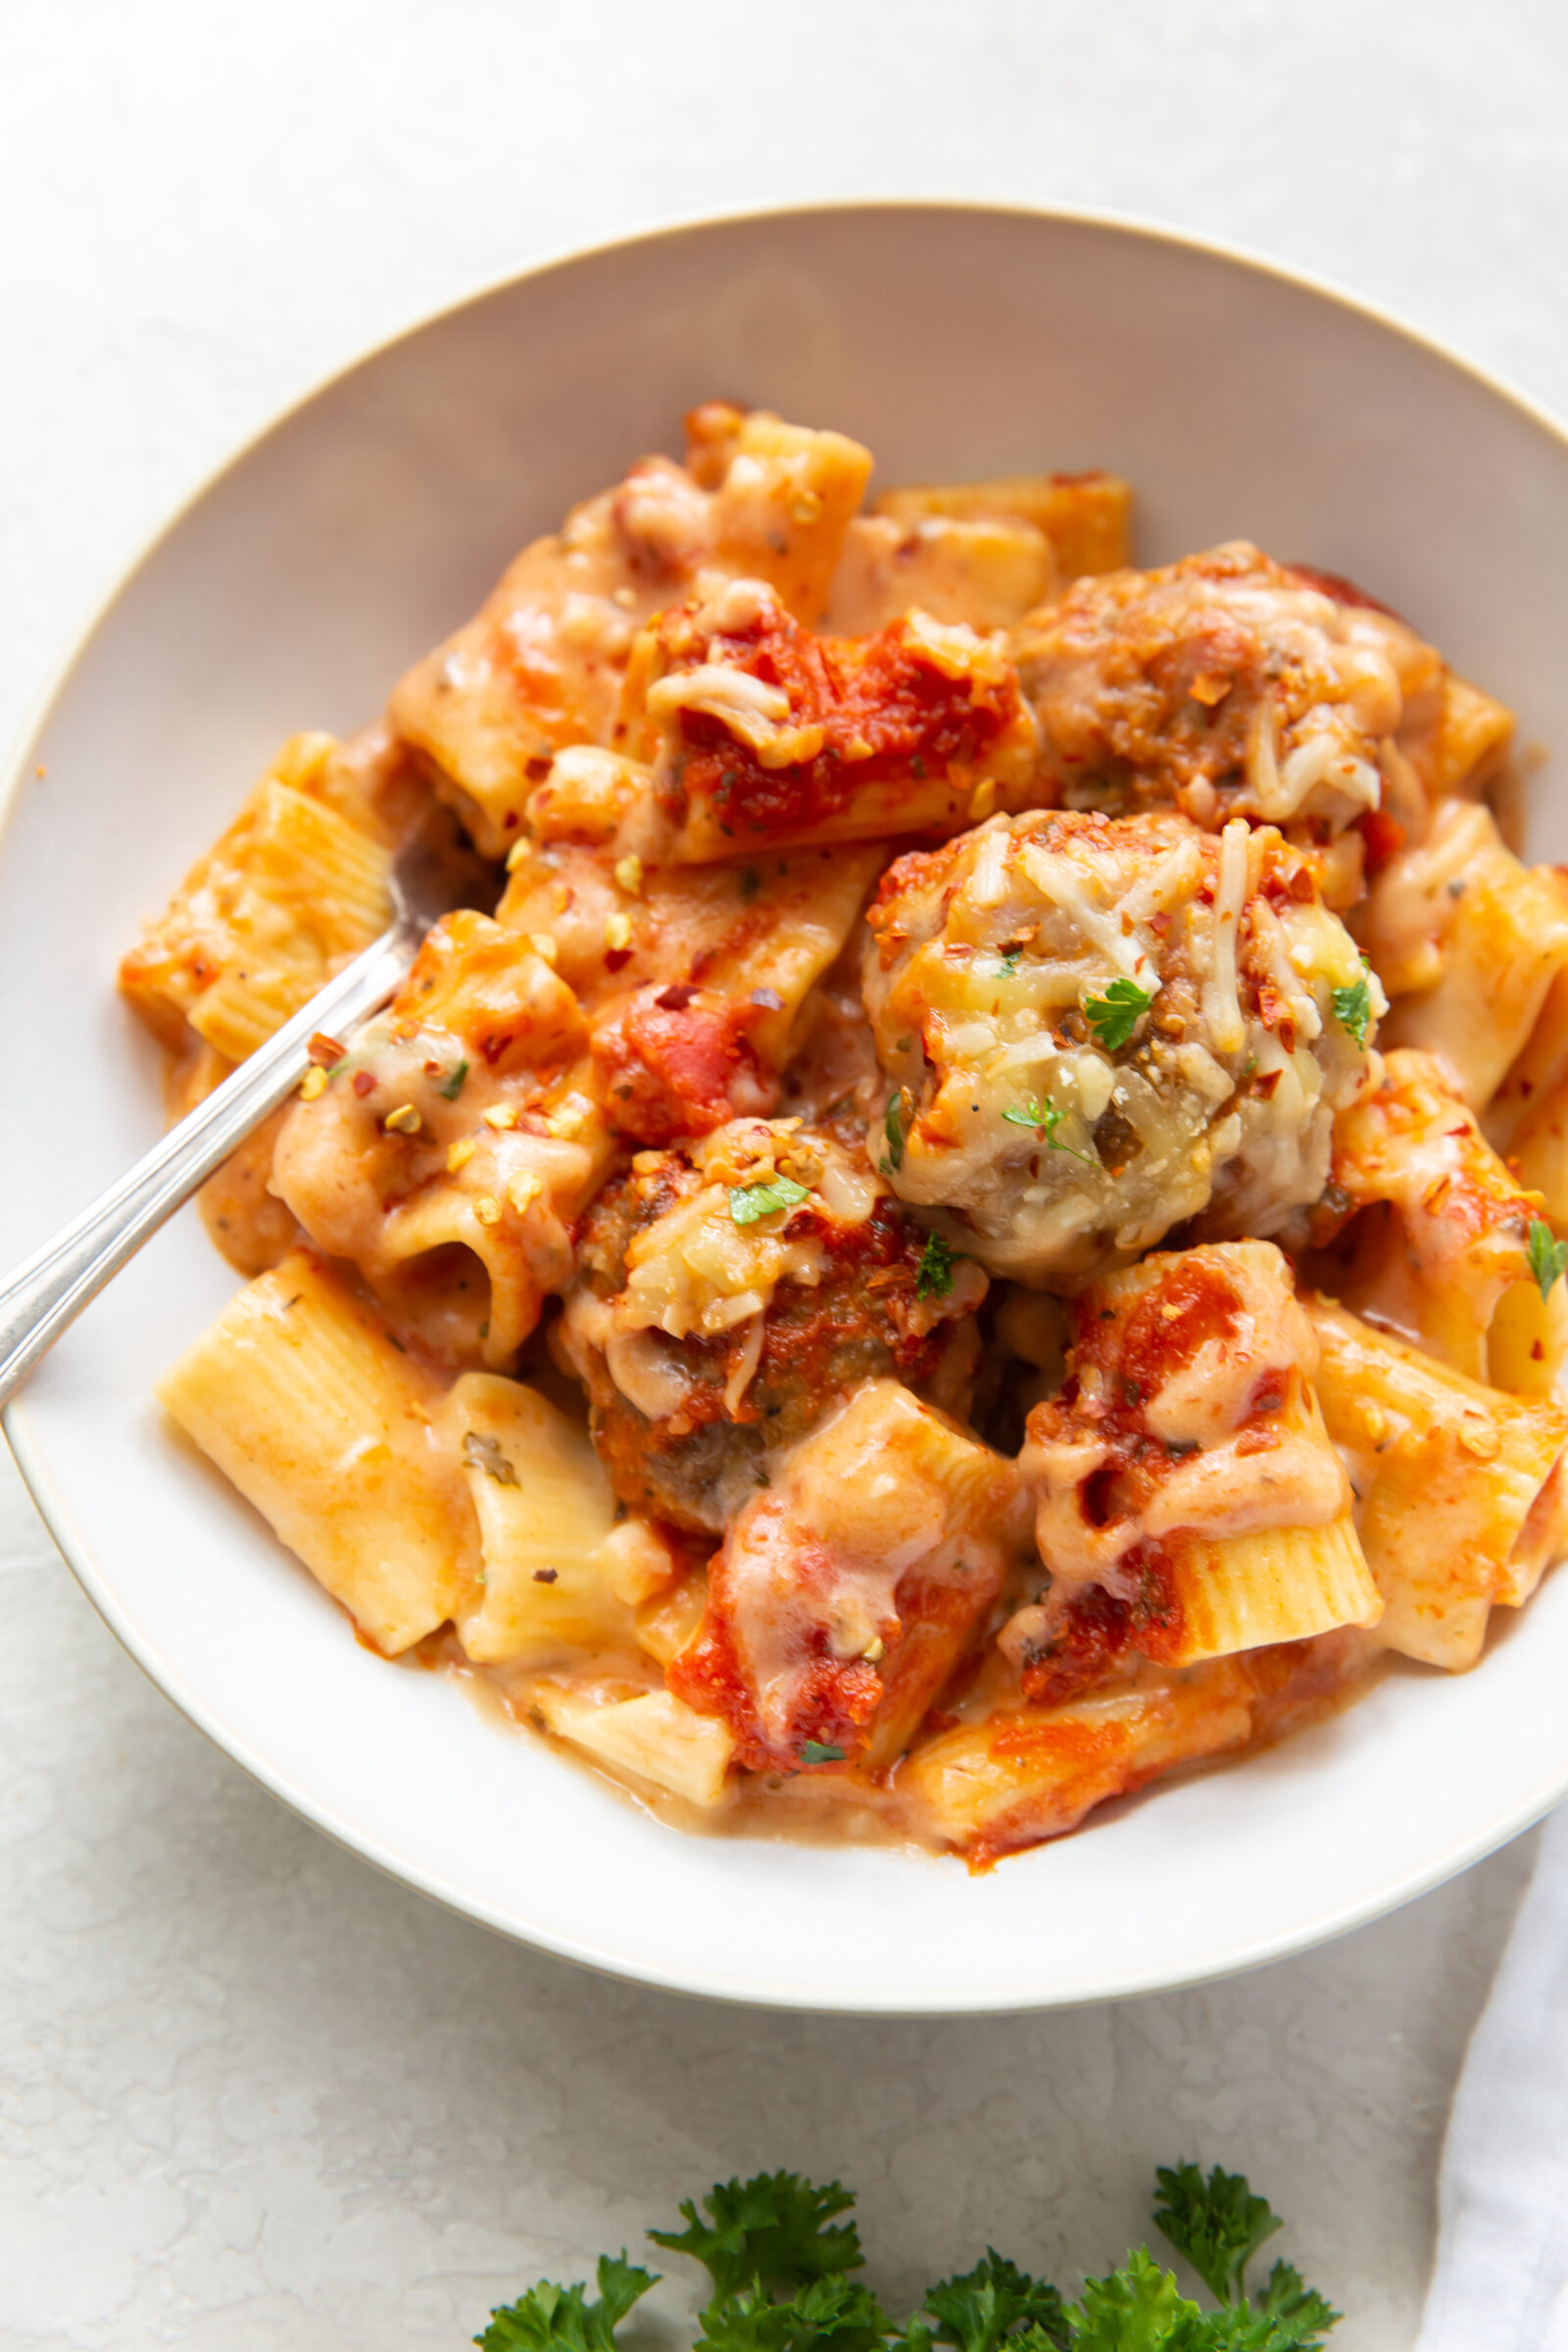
(430, 875)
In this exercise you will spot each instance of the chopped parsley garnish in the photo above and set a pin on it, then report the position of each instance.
(820, 1751)
(455, 1084)
(778, 2256)
(893, 1129)
(1353, 1010)
(749, 1201)
(934, 1277)
(1549, 1258)
(1009, 962)
(1114, 1016)
(1045, 1118)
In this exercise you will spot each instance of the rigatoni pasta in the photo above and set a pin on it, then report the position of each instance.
(305, 1402)
(987, 1218)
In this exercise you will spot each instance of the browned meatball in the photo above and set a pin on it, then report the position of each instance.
(732, 1291)
(1228, 684)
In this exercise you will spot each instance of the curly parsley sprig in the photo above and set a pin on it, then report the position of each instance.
(779, 2250)
(561, 2319)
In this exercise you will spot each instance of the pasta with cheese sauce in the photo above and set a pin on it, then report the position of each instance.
(964, 1239)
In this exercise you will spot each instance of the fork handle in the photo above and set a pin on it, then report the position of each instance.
(50, 1289)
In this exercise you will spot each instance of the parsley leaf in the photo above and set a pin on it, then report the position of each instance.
(770, 2232)
(1114, 1016)
(1137, 2309)
(1301, 2316)
(820, 1751)
(980, 2311)
(778, 2256)
(1353, 1008)
(1218, 2223)
(749, 1201)
(1045, 1118)
(1549, 1258)
(830, 2314)
(893, 1129)
(934, 1276)
(1234, 2327)
(1009, 962)
(561, 2319)
(455, 1082)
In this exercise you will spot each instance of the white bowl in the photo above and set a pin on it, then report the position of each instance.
(294, 589)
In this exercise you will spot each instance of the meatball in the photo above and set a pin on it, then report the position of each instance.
(1100, 1028)
(731, 1291)
(1228, 684)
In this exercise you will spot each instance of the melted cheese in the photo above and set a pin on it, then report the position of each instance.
(991, 958)
(1211, 1474)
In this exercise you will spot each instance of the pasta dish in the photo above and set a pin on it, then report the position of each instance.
(978, 1225)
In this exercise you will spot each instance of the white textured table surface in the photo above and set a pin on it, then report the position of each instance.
(251, 2095)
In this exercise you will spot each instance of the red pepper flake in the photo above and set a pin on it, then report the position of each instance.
(324, 1051)
(364, 1082)
(1383, 834)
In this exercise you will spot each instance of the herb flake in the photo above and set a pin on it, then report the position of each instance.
(1353, 1010)
(749, 1201)
(455, 1082)
(1045, 1118)
(934, 1276)
(893, 1129)
(1114, 1016)
(820, 1751)
(1549, 1258)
